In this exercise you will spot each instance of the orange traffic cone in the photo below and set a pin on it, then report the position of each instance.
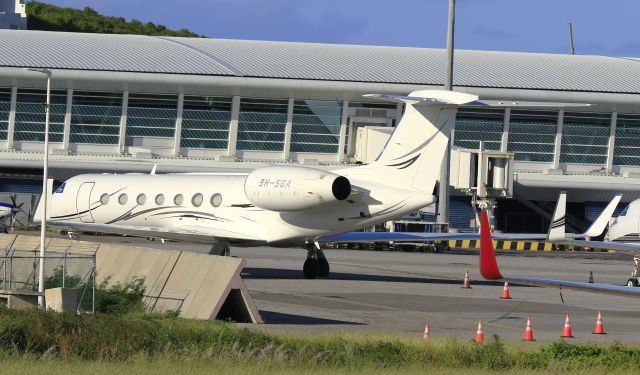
(528, 332)
(566, 332)
(480, 333)
(505, 291)
(599, 330)
(466, 284)
(426, 331)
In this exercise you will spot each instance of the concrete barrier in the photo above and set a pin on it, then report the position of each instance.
(197, 286)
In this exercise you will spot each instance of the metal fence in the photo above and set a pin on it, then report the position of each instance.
(19, 271)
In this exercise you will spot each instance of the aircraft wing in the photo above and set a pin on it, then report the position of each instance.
(189, 233)
(490, 270)
(422, 236)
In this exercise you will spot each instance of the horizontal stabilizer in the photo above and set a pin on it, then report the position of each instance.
(443, 98)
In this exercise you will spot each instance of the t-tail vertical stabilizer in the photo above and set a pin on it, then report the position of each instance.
(413, 155)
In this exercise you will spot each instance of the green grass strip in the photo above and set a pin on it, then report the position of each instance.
(116, 339)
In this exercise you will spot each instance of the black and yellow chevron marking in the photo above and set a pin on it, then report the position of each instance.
(519, 246)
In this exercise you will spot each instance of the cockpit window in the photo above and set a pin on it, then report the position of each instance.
(624, 212)
(60, 189)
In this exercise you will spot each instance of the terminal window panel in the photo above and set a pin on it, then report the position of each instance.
(316, 126)
(95, 117)
(627, 146)
(532, 134)
(151, 116)
(585, 137)
(5, 108)
(205, 122)
(30, 115)
(261, 124)
(474, 125)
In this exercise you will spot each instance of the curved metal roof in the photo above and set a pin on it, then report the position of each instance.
(330, 62)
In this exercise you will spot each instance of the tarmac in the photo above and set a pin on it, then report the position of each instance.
(396, 293)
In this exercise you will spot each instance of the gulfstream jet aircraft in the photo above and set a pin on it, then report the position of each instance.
(278, 205)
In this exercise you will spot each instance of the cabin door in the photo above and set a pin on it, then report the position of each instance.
(83, 202)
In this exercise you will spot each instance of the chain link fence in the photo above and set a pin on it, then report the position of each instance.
(19, 270)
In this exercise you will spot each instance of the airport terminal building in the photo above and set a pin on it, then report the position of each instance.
(124, 103)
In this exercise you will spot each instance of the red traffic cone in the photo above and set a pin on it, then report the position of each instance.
(480, 333)
(426, 331)
(528, 332)
(505, 291)
(599, 330)
(466, 284)
(566, 332)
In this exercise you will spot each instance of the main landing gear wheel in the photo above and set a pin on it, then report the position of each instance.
(316, 264)
(632, 282)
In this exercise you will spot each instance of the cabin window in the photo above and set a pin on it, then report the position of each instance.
(141, 199)
(178, 199)
(123, 198)
(60, 189)
(216, 200)
(104, 199)
(196, 200)
(160, 199)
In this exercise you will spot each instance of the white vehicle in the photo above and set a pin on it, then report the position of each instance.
(278, 205)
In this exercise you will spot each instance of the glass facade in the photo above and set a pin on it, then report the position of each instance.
(532, 134)
(627, 148)
(95, 117)
(479, 124)
(316, 126)
(5, 108)
(585, 136)
(261, 124)
(205, 122)
(151, 115)
(30, 115)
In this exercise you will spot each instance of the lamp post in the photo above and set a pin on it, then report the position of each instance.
(45, 193)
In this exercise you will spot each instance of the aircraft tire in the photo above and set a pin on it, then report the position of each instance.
(323, 267)
(632, 282)
(311, 268)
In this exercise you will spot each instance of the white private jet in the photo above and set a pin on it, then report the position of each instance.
(280, 205)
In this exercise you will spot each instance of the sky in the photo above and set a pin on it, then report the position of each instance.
(600, 27)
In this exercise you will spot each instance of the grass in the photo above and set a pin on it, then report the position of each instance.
(142, 343)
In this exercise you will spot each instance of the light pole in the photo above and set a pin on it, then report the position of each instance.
(45, 193)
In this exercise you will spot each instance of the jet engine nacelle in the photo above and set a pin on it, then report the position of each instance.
(284, 188)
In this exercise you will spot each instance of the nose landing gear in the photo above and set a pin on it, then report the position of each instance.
(316, 264)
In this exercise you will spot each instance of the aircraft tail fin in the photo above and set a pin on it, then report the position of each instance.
(557, 228)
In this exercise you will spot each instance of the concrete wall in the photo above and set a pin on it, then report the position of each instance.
(196, 285)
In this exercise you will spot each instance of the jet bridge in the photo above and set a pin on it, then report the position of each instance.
(482, 174)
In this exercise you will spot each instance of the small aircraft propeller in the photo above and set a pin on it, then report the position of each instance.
(15, 209)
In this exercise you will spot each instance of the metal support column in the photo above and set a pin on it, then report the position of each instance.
(443, 191)
(448, 85)
(233, 126)
(343, 131)
(178, 133)
(12, 118)
(612, 141)
(67, 120)
(123, 122)
(558, 142)
(504, 143)
(286, 151)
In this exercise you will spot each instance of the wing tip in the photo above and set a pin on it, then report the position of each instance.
(488, 263)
